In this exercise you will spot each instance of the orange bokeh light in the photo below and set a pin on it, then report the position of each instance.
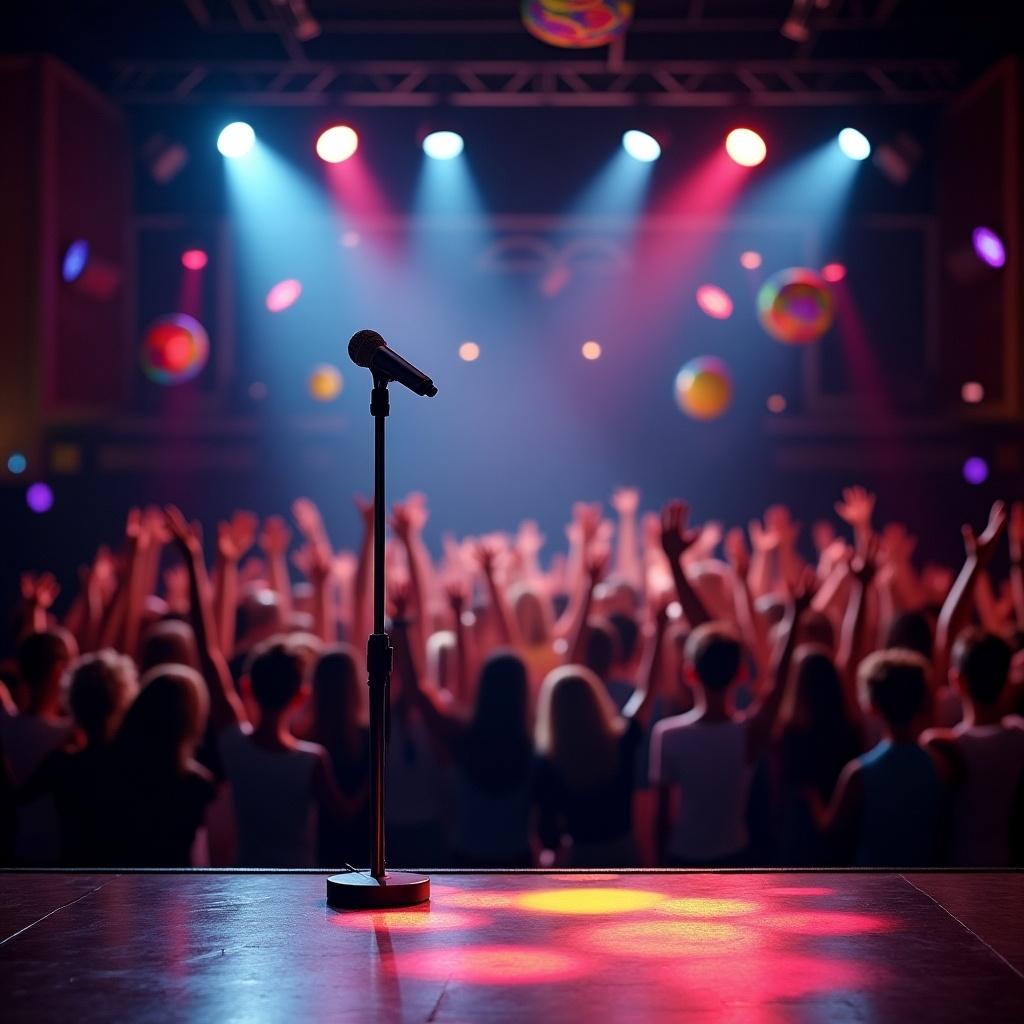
(588, 901)
(825, 922)
(669, 938)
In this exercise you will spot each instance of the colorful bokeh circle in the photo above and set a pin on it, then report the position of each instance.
(704, 388)
(576, 24)
(175, 349)
(325, 382)
(795, 306)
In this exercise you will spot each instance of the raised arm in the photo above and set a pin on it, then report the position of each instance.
(856, 508)
(38, 592)
(225, 707)
(274, 540)
(641, 702)
(1016, 534)
(508, 632)
(234, 539)
(456, 591)
(746, 616)
(628, 564)
(765, 710)
(362, 613)
(317, 567)
(594, 568)
(853, 643)
(676, 537)
(956, 611)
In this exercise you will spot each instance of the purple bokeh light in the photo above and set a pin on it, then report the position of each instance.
(988, 247)
(975, 470)
(39, 498)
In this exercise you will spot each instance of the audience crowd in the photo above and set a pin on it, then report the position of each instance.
(652, 693)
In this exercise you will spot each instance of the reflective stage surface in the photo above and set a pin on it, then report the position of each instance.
(540, 947)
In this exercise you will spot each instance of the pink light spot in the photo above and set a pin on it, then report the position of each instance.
(714, 301)
(283, 294)
(194, 259)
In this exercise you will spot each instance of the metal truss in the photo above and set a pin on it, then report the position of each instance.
(564, 83)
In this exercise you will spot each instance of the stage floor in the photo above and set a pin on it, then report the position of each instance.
(541, 947)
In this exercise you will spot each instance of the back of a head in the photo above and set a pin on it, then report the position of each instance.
(911, 631)
(103, 685)
(275, 670)
(895, 683)
(260, 614)
(818, 689)
(337, 690)
(601, 648)
(715, 654)
(531, 615)
(169, 642)
(577, 726)
(41, 658)
(816, 628)
(166, 719)
(983, 662)
(628, 631)
(501, 695)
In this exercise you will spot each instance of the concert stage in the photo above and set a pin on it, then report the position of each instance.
(757, 947)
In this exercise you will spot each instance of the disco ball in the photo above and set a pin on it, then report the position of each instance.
(704, 388)
(795, 306)
(576, 24)
(175, 349)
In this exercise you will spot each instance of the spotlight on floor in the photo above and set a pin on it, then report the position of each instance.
(337, 144)
(236, 139)
(745, 147)
(443, 145)
(641, 146)
(854, 144)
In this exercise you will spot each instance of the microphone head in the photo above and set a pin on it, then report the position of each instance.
(363, 345)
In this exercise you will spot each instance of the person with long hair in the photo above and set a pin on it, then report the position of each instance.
(160, 791)
(587, 761)
(815, 739)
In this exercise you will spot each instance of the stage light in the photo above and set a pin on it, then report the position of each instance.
(589, 901)
(39, 498)
(16, 463)
(469, 351)
(443, 145)
(714, 301)
(745, 147)
(854, 144)
(641, 146)
(776, 403)
(236, 139)
(975, 470)
(750, 260)
(591, 350)
(175, 350)
(972, 392)
(194, 259)
(337, 144)
(988, 247)
(283, 294)
(76, 256)
(833, 272)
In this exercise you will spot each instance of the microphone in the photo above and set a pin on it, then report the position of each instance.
(368, 348)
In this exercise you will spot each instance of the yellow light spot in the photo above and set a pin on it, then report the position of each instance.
(701, 907)
(589, 901)
(469, 351)
(591, 350)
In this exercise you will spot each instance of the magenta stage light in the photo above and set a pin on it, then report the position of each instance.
(39, 498)
(745, 147)
(972, 392)
(194, 259)
(988, 247)
(833, 272)
(714, 301)
(750, 260)
(975, 470)
(283, 294)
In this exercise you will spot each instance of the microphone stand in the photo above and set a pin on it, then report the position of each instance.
(380, 889)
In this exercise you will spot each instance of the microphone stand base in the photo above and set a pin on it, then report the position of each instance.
(354, 890)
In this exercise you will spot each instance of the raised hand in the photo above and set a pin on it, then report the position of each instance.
(365, 509)
(823, 533)
(587, 518)
(185, 535)
(1016, 530)
(856, 508)
(779, 521)
(982, 548)
(802, 594)
(897, 545)
(736, 552)
(402, 521)
(399, 598)
(865, 563)
(675, 536)
(486, 552)
(417, 511)
(40, 590)
(308, 519)
(762, 540)
(626, 501)
(529, 539)
(343, 566)
(595, 563)
(457, 592)
(275, 536)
